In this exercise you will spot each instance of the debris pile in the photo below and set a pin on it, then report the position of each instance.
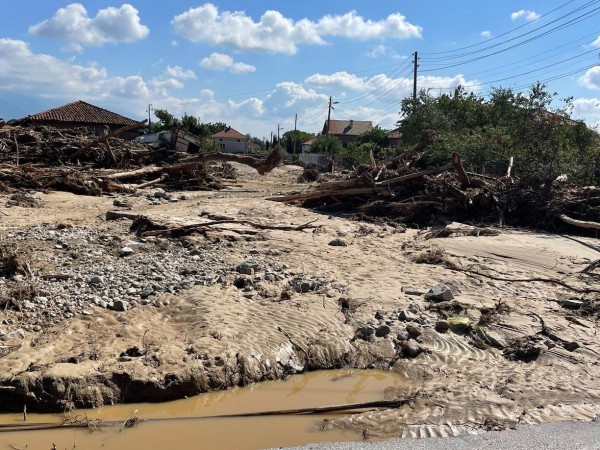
(432, 196)
(76, 160)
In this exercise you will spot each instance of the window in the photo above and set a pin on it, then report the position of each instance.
(222, 146)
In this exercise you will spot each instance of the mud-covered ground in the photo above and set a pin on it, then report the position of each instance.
(96, 316)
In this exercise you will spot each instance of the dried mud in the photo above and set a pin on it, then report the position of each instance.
(522, 357)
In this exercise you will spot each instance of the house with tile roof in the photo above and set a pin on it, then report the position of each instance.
(347, 130)
(231, 141)
(306, 145)
(80, 114)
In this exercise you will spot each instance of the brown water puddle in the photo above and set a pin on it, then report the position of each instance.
(324, 388)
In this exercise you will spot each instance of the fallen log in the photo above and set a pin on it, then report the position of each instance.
(460, 171)
(579, 223)
(144, 226)
(262, 166)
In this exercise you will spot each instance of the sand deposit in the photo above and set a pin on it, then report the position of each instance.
(490, 331)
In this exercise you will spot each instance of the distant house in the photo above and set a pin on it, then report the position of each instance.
(394, 138)
(347, 130)
(231, 141)
(306, 145)
(253, 147)
(81, 114)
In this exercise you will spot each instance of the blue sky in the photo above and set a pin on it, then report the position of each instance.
(255, 65)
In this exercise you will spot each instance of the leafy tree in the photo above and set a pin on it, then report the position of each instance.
(330, 145)
(289, 138)
(488, 132)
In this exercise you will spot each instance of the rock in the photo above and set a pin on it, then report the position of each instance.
(403, 336)
(382, 331)
(147, 292)
(459, 323)
(571, 346)
(413, 308)
(572, 304)
(338, 243)
(191, 270)
(412, 349)
(17, 334)
(96, 280)
(365, 333)
(121, 203)
(243, 281)
(439, 293)
(442, 326)
(120, 305)
(133, 352)
(413, 331)
(126, 251)
(408, 316)
(160, 194)
(247, 267)
(379, 315)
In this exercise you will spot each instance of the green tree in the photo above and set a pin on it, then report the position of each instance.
(292, 140)
(330, 145)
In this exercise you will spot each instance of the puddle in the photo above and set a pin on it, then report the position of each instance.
(315, 389)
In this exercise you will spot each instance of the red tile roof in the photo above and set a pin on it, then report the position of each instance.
(229, 133)
(348, 127)
(82, 112)
(309, 142)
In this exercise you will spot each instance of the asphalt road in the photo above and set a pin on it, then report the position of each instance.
(551, 436)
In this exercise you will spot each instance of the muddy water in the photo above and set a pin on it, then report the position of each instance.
(324, 388)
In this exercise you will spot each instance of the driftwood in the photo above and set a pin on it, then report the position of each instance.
(460, 171)
(348, 187)
(82, 151)
(262, 166)
(579, 223)
(145, 226)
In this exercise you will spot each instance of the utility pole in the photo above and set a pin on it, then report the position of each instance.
(295, 130)
(329, 120)
(415, 66)
(149, 110)
(278, 128)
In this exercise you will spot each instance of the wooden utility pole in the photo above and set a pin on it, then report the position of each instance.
(295, 130)
(278, 128)
(415, 66)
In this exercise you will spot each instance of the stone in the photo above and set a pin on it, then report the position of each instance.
(402, 336)
(412, 349)
(126, 251)
(338, 243)
(243, 281)
(413, 331)
(191, 270)
(382, 331)
(120, 305)
(407, 316)
(442, 326)
(96, 280)
(247, 267)
(379, 315)
(147, 292)
(571, 346)
(365, 333)
(439, 293)
(17, 334)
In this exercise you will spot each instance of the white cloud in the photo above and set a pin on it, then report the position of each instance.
(591, 78)
(381, 50)
(133, 86)
(279, 34)
(587, 109)
(486, 34)
(529, 16)
(174, 43)
(111, 25)
(180, 73)
(341, 80)
(220, 61)
(596, 43)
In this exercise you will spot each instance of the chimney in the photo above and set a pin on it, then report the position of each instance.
(351, 123)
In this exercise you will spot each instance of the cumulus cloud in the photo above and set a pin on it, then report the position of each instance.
(486, 34)
(220, 62)
(380, 51)
(279, 34)
(111, 25)
(529, 16)
(587, 109)
(180, 73)
(596, 43)
(591, 78)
